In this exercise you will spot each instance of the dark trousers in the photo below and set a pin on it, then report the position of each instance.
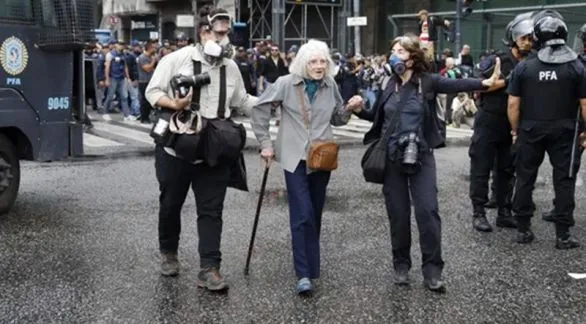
(209, 186)
(533, 143)
(307, 194)
(145, 106)
(489, 146)
(423, 189)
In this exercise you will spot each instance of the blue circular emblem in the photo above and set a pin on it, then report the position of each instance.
(13, 56)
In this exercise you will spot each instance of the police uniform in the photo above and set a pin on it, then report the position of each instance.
(550, 215)
(490, 147)
(491, 144)
(549, 87)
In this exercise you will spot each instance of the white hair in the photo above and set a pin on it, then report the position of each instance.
(313, 47)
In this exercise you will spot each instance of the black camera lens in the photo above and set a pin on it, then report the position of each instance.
(410, 155)
(201, 79)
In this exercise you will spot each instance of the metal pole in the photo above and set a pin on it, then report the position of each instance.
(356, 28)
(304, 24)
(275, 28)
(458, 30)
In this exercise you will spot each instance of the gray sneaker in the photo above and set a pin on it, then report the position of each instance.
(169, 264)
(211, 279)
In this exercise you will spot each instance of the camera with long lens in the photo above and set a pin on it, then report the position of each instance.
(410, 144)
(181, 83)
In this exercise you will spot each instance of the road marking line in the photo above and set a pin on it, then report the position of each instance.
(96, 141)
(126, 132)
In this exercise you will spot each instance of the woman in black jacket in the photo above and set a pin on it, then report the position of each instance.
(405, 118)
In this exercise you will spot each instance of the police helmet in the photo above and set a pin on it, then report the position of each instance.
(550, 31)
(537, 15)
(582, 33)
(521, 25)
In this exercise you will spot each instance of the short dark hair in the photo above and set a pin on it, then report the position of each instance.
(202, 17)
(150, 44)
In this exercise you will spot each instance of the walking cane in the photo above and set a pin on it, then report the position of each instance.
(258, 206)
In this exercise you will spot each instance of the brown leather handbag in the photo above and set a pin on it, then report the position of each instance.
(322, 155)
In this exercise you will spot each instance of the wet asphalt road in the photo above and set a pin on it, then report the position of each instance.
(81, 246)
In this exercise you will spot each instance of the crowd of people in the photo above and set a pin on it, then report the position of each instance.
(123, 71)
(408, 94)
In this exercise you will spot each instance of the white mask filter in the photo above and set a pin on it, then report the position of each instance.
(212, 48)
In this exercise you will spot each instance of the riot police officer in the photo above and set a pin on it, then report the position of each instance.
(580, 47)
(543, 93)
(491, 141)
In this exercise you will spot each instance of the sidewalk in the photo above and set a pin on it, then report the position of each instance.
(113, 127)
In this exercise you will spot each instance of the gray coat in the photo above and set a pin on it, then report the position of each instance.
(292, 142)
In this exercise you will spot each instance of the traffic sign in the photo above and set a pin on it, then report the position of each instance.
(356, 21)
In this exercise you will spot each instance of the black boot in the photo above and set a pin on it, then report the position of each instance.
(479, 220)
(525, 237)
(524, 233)
(505, 218)
(548, 216)
(564, 241)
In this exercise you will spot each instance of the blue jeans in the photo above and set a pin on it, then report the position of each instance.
(307, 194)
(117, 87)
(134, 98)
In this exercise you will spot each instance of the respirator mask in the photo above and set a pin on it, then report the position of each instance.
(397, 65)
(219, 25)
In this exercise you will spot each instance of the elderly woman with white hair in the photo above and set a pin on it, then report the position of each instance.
(310, 104)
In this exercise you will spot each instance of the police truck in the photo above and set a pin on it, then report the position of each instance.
(42, 102)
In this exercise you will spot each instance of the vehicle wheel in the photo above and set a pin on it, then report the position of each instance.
(9, 175)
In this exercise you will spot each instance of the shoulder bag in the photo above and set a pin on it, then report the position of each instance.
(322, 155)
(374, 160)
(223, 139)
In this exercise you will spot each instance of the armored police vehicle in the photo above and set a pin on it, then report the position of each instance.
(41, 84)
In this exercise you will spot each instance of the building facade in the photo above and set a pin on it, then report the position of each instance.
(292, 22)
(483, 29)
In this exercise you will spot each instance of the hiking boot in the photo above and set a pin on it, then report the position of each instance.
(505, 218)
(169, 264)
(211, 279)
(480, 223)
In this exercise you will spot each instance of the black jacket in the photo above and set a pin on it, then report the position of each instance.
(434, 128)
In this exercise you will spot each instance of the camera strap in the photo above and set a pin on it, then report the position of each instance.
(222, 99)
(196, 90)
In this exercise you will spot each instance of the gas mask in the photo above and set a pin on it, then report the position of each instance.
(397, 65)
(215, 51)
(219, 24)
